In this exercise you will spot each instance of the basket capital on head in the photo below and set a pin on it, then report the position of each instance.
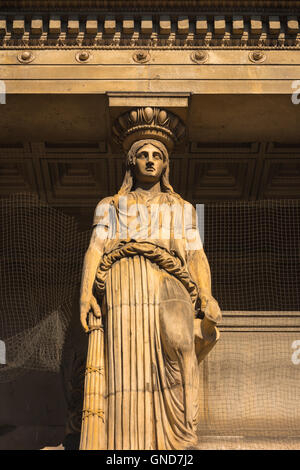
(145, 123)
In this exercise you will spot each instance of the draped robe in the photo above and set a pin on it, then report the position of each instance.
(142, 373)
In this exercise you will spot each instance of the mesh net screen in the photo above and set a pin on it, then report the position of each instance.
(251, 377)
(41, 259)
(253, 251)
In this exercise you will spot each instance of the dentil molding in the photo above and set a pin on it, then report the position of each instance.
(149, 31)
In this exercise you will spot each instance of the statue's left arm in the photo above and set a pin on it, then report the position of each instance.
(199, 270)
(200, 273)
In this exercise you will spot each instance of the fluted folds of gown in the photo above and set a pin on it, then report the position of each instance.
(137, 380)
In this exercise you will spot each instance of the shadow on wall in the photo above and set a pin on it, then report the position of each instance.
(42, 409)
(32, 412)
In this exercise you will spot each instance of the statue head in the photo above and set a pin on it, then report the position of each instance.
(147, 135)
(147, 161)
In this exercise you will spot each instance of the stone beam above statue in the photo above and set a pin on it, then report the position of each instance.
(110, 47)
(223, 72)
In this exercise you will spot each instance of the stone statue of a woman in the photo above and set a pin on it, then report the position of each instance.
(146, 302)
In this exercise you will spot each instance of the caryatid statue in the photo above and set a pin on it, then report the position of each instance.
(146, 301)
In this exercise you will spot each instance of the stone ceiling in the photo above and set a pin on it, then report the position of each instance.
(60, 148)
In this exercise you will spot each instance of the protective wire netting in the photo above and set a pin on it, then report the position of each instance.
(41, 260)
(253, 251)
(250, 379)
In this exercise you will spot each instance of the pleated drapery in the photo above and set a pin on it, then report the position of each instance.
(134, 390)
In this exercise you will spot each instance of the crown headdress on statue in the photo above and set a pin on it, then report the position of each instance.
(148, 123)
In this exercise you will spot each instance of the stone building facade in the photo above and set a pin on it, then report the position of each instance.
(231, 71)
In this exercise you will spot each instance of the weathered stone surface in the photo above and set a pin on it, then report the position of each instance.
(166, 334)
(37, 25)
(237, 25)
(54, 24)
(18, 25)
(260, 159)
(73, 25)
(91, 25)
(146, 25)
(109, 25)
(201, 25)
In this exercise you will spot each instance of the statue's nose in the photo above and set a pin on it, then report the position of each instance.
(150, 160)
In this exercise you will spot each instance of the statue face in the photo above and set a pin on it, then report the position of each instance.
(149, 164)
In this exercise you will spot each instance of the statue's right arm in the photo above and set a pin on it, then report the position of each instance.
(91, 261)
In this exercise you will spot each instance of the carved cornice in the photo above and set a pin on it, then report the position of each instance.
(150, 5)
(98, 31)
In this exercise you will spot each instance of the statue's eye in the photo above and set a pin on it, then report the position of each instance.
(157, 156)
(141, 155)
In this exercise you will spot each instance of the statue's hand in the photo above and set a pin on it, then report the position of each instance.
(210, 308)
(87, 306)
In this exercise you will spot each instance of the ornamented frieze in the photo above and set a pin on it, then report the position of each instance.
(46, 31)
